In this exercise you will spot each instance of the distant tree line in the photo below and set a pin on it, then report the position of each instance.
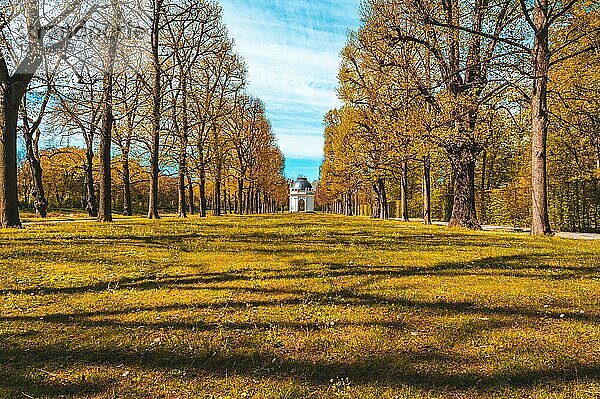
(129, 104)
(467, 112)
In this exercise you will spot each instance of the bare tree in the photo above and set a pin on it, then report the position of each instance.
(157, 92)
(79, 111)
(130, 116)
(195, 33)
(113, 24)
(21, 55)
(31, 127)
(220, 78)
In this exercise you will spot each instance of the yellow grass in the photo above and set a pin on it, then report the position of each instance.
(302, 306)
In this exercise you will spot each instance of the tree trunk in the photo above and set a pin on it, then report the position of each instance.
(40, 201)
(181, 203)
(380, 210)
(449, 202)
(539, 121)
(181, 200)
(348, 210)
(153, 198)
(9, 202)
(248, 202)
(256, 202)
(404, 191)
(91, 205)
(483, 208)
(191, 200)
(156, 110)
(105, 208)
(427, 191)
(463, 209)
(202, 187)
(385, 212)
(217, 196)
(241, 196)
(105, 211)
(376, 205)
(127, 211)
(598, 152)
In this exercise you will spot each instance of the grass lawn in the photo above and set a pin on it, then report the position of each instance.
(309, 306)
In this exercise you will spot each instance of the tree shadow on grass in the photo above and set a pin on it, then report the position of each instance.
(285, 241)
(127, 283)
(516, 266)
(430, 370)
(296, 297)
(17, 378)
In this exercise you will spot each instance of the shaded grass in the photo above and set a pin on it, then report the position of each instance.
(294, 307)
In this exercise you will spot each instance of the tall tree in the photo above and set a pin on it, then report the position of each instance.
(114, 26)
(21, 55)
(157, 26)
(542, 17)
(79, 111)
(195, 33)
(31, 127)
(131, 111)
(464, 40)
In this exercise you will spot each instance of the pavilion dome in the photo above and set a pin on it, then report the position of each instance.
(302, 184)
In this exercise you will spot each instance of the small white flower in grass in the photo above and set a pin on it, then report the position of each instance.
(546, 306)
(562, 315)
(125, 374)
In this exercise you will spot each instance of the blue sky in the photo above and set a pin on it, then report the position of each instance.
(292, 51)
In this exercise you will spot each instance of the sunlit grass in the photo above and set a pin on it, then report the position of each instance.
(295, 307)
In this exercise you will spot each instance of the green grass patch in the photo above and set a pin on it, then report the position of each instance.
(303, 306)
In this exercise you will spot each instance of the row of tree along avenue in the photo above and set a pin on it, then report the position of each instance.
(473, 111)
(124, 104)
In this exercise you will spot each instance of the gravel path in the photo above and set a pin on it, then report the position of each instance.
(561, 234)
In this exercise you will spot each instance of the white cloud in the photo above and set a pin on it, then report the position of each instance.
(301, 145)
(292, 50)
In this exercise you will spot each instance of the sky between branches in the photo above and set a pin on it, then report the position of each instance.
(292, 51)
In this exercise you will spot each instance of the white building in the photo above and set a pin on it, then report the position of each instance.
(302, 196)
